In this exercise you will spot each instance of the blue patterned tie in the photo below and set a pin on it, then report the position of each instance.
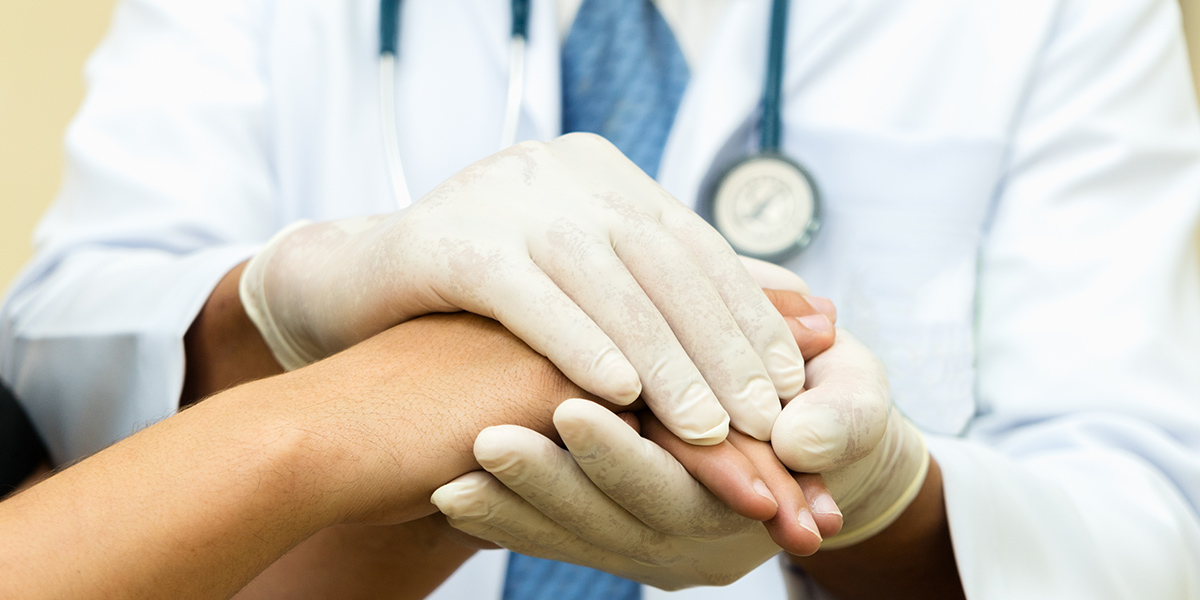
(623, 77)
(531, 578)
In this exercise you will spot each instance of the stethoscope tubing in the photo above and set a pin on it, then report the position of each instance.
(772, 100)
(389, 46)
(389, 37)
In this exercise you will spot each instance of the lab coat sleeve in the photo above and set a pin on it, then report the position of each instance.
(168, 186)
(1080, 476)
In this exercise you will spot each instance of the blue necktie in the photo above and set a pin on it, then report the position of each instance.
(531, 578)
(623, 77)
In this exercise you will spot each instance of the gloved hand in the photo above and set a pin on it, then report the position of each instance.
(622, 503)
(844, 426)
(616, 502)
(573, 249)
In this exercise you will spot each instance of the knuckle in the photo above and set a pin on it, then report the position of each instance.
(528, 148)
(668, 253)
(593, 260)
(591, 146)
(588, 141)
(720, 579)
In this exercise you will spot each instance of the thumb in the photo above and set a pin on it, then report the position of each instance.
(841, 417)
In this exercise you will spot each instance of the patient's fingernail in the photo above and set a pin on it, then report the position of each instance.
(817, 323)
(824, 505)
(764, 491)
(807, 522)
(823, 305)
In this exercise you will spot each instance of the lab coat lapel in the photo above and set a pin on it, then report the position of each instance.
(724, 94)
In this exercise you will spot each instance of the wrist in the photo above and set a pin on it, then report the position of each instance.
(293, 465)
(876, 492)
(287, 349)
(222, 346)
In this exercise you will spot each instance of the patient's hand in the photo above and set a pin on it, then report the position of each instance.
(622, 503)
(616, 502)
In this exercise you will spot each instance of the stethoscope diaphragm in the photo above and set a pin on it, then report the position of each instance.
(767, 206)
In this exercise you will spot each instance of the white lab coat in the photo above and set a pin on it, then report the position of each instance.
(1011, 192)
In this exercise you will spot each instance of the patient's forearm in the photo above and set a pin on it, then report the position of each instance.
(197, 505)
(365, 562)
(172, 511)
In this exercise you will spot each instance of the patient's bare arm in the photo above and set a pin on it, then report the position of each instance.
(196, 506)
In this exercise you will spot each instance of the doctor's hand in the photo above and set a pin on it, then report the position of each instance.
(845, 427)
(621, 503)
(618, 502)
(573, 249)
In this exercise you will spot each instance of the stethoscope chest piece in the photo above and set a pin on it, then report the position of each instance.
(767, 207)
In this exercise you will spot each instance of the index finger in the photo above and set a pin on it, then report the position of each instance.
(759, 321)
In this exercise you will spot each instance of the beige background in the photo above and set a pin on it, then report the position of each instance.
(43, 44)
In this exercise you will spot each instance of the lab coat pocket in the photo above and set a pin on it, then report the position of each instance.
(904, 221)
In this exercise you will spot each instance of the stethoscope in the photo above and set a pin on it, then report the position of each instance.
(389, 40)
(766, 205)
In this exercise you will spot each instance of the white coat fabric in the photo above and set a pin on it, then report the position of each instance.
(1011, 197)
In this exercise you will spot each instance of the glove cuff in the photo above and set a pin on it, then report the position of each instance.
(898, 471)
(252, 292)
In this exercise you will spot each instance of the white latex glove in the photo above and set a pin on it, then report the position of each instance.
(615, 502)
(629, 508)
(577, 252)
(844, 427)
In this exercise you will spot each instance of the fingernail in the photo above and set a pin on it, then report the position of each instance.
(764, 491)
(817, 323)
(824, 504)
(807, 522)
(824, 306)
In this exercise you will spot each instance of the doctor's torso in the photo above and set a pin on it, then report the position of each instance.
(984, 166)
(899, 109)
